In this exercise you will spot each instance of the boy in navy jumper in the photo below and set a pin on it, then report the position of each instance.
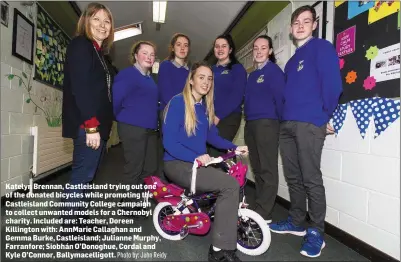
(313, 87)
(187, 127)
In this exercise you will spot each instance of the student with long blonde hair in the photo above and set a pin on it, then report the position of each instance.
(188, 125)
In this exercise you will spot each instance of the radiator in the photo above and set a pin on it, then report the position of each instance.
(50, 149)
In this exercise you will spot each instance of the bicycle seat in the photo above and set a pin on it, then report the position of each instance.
(159, 189)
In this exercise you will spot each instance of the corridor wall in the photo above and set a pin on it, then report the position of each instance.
(18, 115)
(361, 174)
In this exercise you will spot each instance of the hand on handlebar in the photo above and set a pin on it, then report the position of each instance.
(204, 159)
(243, 150)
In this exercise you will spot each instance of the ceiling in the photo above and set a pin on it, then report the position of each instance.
(201, 21)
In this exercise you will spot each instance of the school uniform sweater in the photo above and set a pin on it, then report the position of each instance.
(171, 81)
(177, 144)
(229, 89)
(313, 83)
(135, 98)
(263, 95)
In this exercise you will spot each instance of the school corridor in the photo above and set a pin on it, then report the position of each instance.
(192, 248)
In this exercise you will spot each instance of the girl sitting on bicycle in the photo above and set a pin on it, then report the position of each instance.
(187, 127)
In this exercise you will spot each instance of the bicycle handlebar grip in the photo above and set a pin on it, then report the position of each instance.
(199, 163)
(229, 155)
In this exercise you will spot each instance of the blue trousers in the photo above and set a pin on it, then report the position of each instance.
(85, 164)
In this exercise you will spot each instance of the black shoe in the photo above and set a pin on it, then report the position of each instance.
(222, 255)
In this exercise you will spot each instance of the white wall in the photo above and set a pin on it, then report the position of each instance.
(17, 116)
(361, 176)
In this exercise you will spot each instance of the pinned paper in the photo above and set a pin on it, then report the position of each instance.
(386, 64)
(369, 83)
(50, 32)
(385, 112)
(345, 41)
(342, 62)
(357, 7)
(39, 32)
(372, 52)
(351, 77)
(362, 111)
(339, 117)
(384, 8)
(338, 3)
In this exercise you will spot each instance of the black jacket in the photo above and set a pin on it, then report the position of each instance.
(85, 93)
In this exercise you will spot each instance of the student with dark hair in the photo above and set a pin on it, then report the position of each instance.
(262, 109)
(135, 102)
(173, 71)
(187, 127)
(230, 81)
(313, 87)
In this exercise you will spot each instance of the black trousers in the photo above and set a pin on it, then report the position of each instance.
(301, 146)
(140, 152)
(228, 128)
(224, 232)
(262, 137)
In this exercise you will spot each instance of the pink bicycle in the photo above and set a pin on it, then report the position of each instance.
(178, 213)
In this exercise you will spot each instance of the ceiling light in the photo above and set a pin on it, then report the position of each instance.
(159, 11)
(127, 31)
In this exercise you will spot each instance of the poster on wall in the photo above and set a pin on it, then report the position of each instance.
(383, 9)
(386, 64)
(345, 41)
(369, 55)
(51, 47)
(358, 7)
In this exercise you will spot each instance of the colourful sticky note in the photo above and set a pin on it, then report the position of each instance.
(385, 9)
(37, 62)
(338, 3)
(39, 32)
(50, 32)
(39, 45)
(50, 41)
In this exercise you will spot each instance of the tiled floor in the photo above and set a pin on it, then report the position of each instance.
(192, 248)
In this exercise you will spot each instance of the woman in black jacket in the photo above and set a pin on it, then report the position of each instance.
(87, 107)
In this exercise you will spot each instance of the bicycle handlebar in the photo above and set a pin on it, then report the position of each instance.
(216, 160)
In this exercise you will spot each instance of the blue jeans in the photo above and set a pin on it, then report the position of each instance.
(85, 163)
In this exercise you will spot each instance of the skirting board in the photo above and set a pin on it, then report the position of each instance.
(350, 241)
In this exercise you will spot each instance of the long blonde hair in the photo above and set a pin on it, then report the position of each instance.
(190, 114)
(83, 26)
